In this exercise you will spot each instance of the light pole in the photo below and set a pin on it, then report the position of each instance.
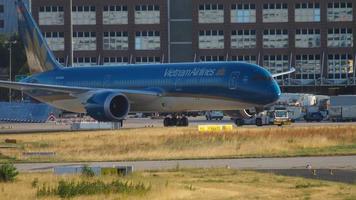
(10, 43)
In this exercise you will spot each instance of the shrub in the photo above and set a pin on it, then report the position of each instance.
(69, 189)
(34, 183)
(87, 171)
(8, 172)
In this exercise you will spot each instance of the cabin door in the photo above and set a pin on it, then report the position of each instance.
(233, 80)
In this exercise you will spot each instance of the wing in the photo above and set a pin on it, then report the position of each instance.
(284, 73)
(68, 89)
(53, 93)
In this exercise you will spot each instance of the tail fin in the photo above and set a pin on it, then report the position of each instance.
(39, 57)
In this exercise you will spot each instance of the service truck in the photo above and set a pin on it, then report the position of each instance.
(342, 108)
(342, 113)
(278, 116)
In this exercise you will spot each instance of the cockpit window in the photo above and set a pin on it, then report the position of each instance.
(259, 77)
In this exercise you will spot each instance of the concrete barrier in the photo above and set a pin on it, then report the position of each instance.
(95, 126)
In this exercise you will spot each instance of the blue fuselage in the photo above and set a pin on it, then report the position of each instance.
(232, 81)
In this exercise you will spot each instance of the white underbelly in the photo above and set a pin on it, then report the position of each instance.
(163, 104)
(177, 104)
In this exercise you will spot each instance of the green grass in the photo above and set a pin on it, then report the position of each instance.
(330, 150)
(70, 189)
(183, 143)
(194, 184)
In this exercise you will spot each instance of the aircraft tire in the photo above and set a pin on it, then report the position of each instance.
(184, 121)
(167, 121)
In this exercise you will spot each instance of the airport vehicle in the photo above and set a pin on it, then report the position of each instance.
(342, 113)
(217, 115)
(278, 116)
(109, 93)
(313, 117)
(342, 108)
(281, 117)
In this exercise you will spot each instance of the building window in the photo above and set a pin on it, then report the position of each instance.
(275, 38)
(147, 60)
(276, 63)
(211, 39)
(116, 41)
(1, 8)
(308, 66)
(307, 12)
(84, 41)
(275, 12)
(115, 14)
(84, 15)
(243, 39)
(339, 11)
(243, 13)
(211, 13)
(147, 40)
(211, 58)
(55, 40)
(2, 24)
(247, 59)
(116, 60)
(147, 14)
(84, 61)
(307, 38)
(51, 15)
(340, 37)
(339, 65)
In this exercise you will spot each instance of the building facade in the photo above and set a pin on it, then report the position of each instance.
(8, 16)
(317, 37)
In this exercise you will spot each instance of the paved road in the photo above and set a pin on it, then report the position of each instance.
(135, 123)
(337, 162)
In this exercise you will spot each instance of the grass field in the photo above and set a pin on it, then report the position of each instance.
(181, 143)
(195, 184)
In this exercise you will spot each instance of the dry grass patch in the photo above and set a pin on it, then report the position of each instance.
(181, 143)
(194, 184)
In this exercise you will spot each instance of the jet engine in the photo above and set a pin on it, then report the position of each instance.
(108, 106)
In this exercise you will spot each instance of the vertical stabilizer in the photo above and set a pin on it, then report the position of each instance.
(39, 57)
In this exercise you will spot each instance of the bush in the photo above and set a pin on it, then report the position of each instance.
(69, 189)
(87, 171)
(8, 172)
(34, 183)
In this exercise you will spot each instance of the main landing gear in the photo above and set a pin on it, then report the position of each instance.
(175, 121)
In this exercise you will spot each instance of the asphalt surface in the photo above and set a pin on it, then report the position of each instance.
(334, 162)
(137, 123)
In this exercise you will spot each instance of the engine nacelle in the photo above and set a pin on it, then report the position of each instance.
(108, 106)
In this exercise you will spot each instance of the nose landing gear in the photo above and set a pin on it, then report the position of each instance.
(175, 120)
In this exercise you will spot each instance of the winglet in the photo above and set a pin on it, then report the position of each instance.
(284, 73)
(39, 56)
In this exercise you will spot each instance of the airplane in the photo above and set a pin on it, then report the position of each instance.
(109, 93)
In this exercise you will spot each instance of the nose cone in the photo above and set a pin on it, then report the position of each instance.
(275, 92)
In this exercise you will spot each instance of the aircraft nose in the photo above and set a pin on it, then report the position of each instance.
(275, 92)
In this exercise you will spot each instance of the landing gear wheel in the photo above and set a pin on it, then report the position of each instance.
(184, 121)
(175, 121)
(167, 122)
